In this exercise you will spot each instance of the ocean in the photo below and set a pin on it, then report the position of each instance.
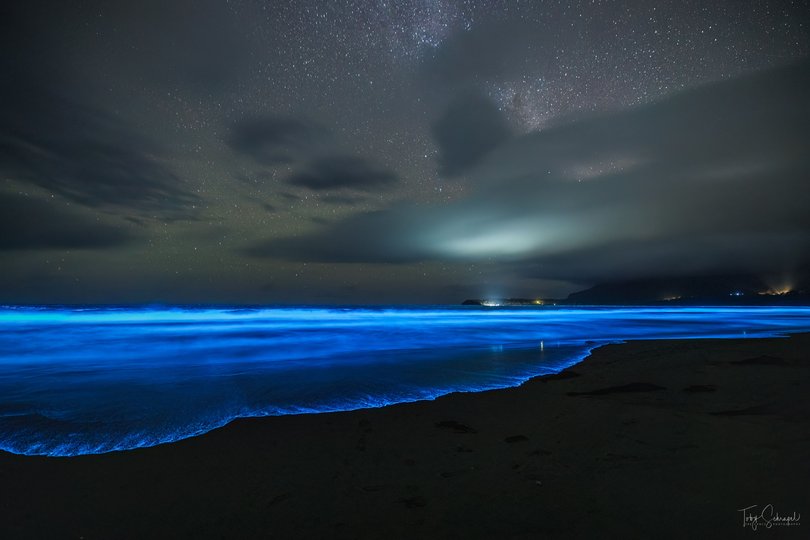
(100, 379)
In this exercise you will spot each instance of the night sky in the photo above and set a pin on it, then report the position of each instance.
(381, 151)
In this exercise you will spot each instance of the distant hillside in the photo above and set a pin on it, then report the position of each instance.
(706, 290)
(690, 290)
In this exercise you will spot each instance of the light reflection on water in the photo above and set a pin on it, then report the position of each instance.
(79, 381)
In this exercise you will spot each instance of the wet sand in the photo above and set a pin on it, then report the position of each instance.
(664, 439)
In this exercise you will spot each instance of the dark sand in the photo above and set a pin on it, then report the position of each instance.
(665, 439)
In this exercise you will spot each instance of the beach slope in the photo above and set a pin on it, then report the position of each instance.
(665, 439)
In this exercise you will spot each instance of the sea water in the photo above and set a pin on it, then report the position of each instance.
(91, 380)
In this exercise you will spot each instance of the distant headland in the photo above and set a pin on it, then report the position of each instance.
(722, 290)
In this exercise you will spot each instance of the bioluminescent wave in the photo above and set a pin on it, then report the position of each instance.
(81, 381)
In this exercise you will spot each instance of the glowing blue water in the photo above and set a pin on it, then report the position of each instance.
(80, 381)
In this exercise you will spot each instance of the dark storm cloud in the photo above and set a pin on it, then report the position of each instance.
(277, 140)
(710, 179)
(312, 150)
(84, 155)
(342, 172)
(28, 223)
(51, 138)
(470, 127)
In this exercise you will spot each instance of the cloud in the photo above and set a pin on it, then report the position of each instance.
(269, 208)
(342, 172)
(50, 136)
(86, 156)
(708, 180)
(344, 200)
(277, 140)
(29, 223)
(349, 240)
(319, 162)
(197, 46)
(488, 52)
(289, 197)
(470, 127)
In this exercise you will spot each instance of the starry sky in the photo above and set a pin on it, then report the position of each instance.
(417, 151)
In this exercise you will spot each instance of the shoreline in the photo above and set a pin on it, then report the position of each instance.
(663, 437)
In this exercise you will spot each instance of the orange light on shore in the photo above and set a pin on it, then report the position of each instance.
(776, 292)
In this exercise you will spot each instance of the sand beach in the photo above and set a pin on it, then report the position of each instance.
(665, 439)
